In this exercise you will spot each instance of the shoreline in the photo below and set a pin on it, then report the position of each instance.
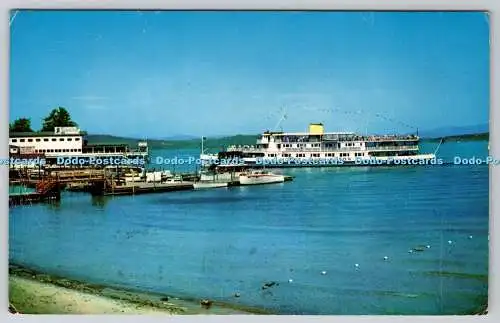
(28, 296)
(34, 292)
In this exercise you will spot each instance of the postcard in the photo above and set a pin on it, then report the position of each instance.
(249, 162)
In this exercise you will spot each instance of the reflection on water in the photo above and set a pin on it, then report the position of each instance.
(100, 201)
(20, 189)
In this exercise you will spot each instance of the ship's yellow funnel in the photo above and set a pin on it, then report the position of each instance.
(316, 128)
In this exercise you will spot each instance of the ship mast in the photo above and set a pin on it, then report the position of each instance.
(282, 118)
(202, 142)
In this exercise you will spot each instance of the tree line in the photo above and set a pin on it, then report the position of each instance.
(58, 117)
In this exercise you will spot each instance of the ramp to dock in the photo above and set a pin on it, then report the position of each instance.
(144, 188)
(46, 190)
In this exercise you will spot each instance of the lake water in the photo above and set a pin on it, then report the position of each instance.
(20, 189)
(214, 243)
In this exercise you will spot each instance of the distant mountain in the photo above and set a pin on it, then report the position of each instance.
(109, 139)
(178, 137)
(467, 137)
(215, 143)
(454, 131)
(211, 144)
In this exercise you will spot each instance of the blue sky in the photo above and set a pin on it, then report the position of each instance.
(158, 74)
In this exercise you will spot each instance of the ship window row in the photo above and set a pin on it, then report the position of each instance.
(58, 150)
(302, 145)
(327, 145)
(391, 143)
(44, 139)
(316, 155)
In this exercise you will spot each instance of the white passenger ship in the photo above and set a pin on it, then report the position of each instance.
(319, 148)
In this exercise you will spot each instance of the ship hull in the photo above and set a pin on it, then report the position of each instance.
(261, 179)
(201, 185)
(417, 160)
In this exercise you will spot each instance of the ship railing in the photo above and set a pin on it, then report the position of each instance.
(348, 149)
(326, 149)
(377, 139)
(337, 137)
(138, 150)
(370, 138)
(319, 149)
(392, 148)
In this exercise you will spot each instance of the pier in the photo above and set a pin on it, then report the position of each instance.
(46, 191)
(31, 198)
(98, 182)
(107, 188)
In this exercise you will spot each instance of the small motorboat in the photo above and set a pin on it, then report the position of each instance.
(205, 185)
(260, 177)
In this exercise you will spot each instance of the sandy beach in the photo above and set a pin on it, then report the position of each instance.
(33, 297)
(32, 292)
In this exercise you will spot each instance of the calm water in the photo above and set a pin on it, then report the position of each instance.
(214, 243)
(20, 189)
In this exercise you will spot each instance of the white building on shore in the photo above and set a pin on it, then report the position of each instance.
(63, 141)
(68, 142)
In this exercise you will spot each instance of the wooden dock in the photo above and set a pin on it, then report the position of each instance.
(97, 183)
(31, 198)
(108, 189)
(31, 183)
(46, 191)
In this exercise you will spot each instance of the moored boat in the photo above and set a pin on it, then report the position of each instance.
(205, 185)
(260, 177)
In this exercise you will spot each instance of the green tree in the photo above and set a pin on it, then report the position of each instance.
(58, 117)
(20, 125)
